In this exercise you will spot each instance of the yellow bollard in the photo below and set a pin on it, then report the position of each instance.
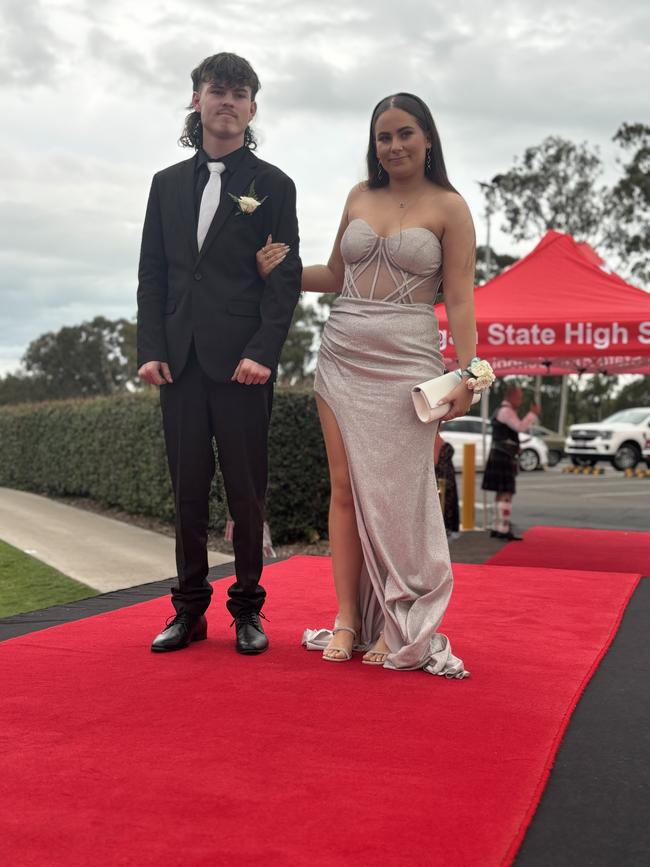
(469, 479)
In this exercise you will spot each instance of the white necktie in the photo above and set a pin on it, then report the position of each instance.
(209, 201)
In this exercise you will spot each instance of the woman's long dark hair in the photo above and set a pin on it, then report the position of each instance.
(437, 173)
(223, 68)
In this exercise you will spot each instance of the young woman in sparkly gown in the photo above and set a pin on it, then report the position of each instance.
(405, 232)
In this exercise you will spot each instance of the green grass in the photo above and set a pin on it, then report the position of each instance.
(27, 584)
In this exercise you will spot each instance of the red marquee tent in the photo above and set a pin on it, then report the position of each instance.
(556, 311)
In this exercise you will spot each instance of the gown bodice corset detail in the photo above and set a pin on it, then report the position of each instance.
(403, 268)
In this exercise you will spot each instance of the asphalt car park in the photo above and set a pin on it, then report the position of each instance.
(557, 499)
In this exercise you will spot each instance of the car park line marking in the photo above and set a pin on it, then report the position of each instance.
(575, 486)
(604, 494)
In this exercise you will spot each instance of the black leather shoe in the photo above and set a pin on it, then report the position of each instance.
(510, 536)
(182, 630)
(250, 637)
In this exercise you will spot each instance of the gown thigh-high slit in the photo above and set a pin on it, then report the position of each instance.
(381, 339)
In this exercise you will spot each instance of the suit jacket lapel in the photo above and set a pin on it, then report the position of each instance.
(186, 193)
(238, 185)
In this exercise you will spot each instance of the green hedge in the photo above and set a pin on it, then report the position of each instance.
(112, 450)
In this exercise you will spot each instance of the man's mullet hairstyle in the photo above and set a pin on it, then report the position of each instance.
(223, 68)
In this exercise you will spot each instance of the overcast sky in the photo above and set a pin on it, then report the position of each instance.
(93, 95)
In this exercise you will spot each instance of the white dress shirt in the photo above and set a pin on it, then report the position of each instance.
(507, 414)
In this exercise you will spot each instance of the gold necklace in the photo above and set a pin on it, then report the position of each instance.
(406, 204)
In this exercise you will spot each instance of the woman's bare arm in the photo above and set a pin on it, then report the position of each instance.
(458, 257)
(328, 278)
(458, 252)
(315, 278)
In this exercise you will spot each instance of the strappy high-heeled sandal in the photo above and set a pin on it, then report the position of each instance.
(383, 656)
(347, 656)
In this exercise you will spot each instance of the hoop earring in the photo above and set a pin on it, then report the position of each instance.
(380, 173)
(427, 165)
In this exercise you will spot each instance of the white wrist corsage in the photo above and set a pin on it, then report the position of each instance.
(480, 375)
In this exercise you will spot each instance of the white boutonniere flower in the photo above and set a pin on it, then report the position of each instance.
(249, 203)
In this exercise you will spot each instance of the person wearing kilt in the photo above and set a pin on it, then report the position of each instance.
(503, 460)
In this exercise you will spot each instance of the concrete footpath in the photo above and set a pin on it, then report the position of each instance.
(103, 553)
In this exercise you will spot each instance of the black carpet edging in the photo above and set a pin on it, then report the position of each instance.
(57, 615)
(594, 810)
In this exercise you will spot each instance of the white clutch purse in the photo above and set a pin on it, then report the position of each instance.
(427, 394)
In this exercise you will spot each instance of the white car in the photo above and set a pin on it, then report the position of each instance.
(623, 439)
(467, 429)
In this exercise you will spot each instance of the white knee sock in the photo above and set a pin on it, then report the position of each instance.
(503, 510)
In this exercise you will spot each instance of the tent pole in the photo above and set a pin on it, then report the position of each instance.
(538, 390)
(484, 420)
(564, 395)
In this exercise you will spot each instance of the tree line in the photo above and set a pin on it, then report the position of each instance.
(557, 184)
(99, 357)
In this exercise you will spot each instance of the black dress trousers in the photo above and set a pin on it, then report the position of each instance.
(196, 411)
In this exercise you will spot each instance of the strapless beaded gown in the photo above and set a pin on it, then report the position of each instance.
(381, 339)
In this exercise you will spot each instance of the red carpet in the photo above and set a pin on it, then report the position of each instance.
(567, 548)
(112, 755)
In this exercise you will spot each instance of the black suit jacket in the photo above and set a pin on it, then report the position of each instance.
(216, 297)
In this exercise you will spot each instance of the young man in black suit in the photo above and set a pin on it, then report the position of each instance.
(210, 332)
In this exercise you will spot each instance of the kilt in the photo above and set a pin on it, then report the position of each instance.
(500, 471)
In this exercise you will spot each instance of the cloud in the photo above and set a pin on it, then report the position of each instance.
(30, 50)
(61, 268)
(126, 63)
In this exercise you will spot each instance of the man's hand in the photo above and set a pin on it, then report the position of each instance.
(536, 408)
(155, 373)
(249, 372)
